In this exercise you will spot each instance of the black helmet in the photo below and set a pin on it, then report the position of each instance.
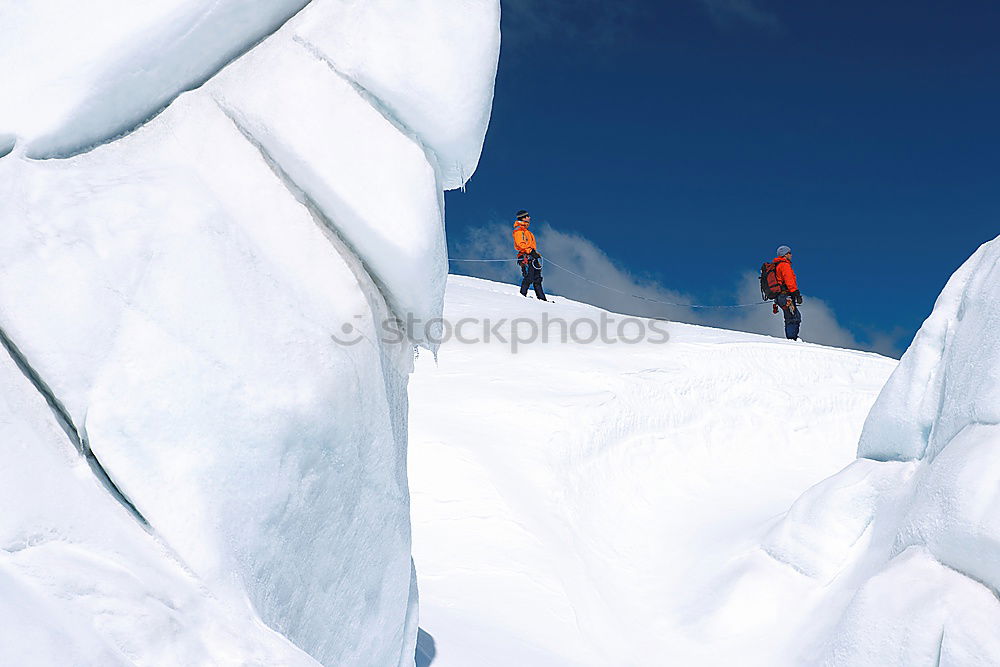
(521, 214)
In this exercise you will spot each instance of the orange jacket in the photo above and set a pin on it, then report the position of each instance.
(524, 241)
(783, 269)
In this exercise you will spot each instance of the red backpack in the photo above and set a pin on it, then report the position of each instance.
(770, 286)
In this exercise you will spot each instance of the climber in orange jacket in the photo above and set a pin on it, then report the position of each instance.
(790, 298)
(527, 256)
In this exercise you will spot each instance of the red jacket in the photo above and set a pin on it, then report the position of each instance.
(524, 241)
(783, 269)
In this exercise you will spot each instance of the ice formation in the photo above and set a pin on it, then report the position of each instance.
(176, 266)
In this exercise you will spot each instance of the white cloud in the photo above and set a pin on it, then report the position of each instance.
(580, 255)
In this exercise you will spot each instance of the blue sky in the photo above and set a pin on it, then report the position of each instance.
(674, 144)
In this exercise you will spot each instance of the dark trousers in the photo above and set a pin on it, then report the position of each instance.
(532, 275)
(793, 316)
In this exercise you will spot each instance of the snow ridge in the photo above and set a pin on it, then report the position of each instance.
(78, 438)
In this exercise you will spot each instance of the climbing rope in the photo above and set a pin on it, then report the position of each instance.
(615, 289)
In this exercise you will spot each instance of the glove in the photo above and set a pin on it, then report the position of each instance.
(774, 308)
(797, 296)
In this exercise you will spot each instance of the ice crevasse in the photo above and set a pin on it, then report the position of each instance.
(197, 471)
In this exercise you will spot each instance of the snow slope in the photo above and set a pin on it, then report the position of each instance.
(681, 503)
(593, 504)
(171, 291)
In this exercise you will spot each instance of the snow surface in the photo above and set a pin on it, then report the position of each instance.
(635, 505)
(173, 294)
(593, 504)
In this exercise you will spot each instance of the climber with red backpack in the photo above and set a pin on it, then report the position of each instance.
(777, 282)
(527, 256)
